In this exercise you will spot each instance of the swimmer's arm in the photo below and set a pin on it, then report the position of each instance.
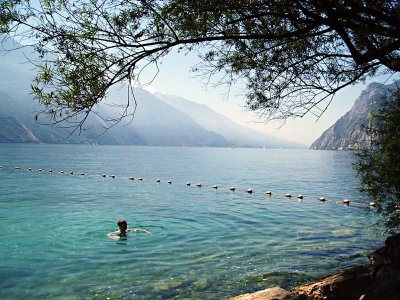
(113, 235)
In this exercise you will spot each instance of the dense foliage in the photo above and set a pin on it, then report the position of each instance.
(378, 163)
(294, 55)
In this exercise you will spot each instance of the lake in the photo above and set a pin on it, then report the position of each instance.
(206, 243)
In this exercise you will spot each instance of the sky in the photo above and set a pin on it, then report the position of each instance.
(175, 78)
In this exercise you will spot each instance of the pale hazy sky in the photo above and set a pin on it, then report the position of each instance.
(175, 78)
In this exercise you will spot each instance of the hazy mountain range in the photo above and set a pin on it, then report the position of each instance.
(159, 120)
(348, 132)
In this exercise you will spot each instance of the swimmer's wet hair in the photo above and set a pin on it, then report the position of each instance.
(121, 222)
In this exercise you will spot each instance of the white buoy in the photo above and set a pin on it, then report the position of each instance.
(82, 174)
(62, 172)
(17, 168)
(40, 170)
(199, 185)
(372, 204)
(322, 199)
(112, 176)
(346, 202)
(131, 178)
(215, 187)
(250, 191)
(169, 181)
(232, 188)
(300, 197)
(50, 171)
(30, 169)
(288, 195)
(103, 175)
(158, 180)
(188, 183)
(140, 178)
(1, 167)
(269, 193)
(72, 173)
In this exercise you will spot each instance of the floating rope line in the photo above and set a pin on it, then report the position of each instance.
(233, 189)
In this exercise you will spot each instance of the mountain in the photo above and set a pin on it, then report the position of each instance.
(157, 122)
(347, 133)
(236, 135)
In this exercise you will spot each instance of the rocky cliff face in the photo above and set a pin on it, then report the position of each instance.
(347, 133)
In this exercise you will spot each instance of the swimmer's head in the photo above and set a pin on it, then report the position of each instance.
(122, 225)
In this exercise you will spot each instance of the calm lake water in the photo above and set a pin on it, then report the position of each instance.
(206, 243)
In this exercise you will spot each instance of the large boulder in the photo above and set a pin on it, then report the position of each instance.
(378, 280)
(275, 293)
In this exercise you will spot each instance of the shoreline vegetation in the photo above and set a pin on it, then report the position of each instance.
(380, 279)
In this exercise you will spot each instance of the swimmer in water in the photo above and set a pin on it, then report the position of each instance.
(123, 229)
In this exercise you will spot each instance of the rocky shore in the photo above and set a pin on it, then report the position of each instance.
(378, 280)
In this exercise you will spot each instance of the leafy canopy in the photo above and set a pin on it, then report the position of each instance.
(378, 164)
(294, 55)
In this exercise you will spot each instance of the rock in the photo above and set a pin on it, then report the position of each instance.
(378, 280)
(350, 284)
(388, 254)
(275, 293)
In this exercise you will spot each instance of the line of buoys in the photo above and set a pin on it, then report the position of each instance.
(233, 189)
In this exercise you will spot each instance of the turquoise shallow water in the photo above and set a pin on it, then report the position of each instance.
(206, 243)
